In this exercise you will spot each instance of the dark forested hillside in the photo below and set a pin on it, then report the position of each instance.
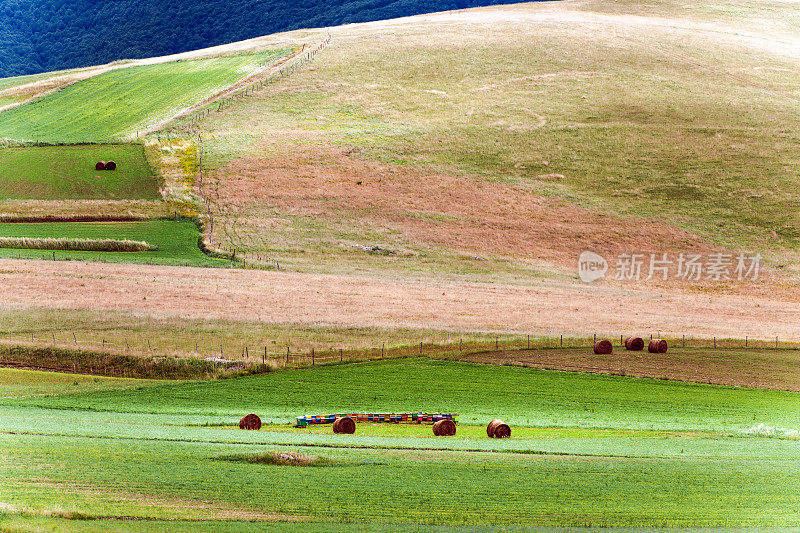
(43, 35)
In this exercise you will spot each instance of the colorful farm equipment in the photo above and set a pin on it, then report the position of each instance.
(396, 418)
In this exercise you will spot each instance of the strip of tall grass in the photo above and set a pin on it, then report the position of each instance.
(118, 365)
(82, 245)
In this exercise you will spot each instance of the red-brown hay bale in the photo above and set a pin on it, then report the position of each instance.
(110, 165)
(634, 344)
(251, 421)
(502, 431)
(497, 429)
(444, 428)
(101, 165)
(603, 347)
(490, 428)
(345, 425)
(657, 346)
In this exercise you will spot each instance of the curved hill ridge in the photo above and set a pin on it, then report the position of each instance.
(45, 35)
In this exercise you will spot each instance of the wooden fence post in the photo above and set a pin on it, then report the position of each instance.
(287, 356)
(312, 356)
(264, 359)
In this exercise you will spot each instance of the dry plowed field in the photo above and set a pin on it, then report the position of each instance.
(314, 299)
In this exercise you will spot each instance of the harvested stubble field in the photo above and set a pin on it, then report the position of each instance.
(581, 450)
(68, 172)
(356, 301)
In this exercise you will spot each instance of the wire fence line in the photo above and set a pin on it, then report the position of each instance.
(247, 355)
(298, 61)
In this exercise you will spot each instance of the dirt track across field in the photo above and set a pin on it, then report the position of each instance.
(345, 301)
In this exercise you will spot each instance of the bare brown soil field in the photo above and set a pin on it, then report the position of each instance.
(759, 368)
(332, 300)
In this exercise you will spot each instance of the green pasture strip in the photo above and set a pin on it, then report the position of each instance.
(123, 101)
(166, 480)
(23, 383)
(177, 241)
(68, 172)
(479, 393)
(195, 428)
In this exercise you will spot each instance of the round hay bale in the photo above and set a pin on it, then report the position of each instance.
(444, 428)
(493, 424)
(251, 421)
(101, 165)
(634, 344)
(345, 425)
(110, 165)
(657, 346)
(497, 429)
(603, 347)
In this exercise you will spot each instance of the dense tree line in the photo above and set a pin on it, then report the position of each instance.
(44, 35)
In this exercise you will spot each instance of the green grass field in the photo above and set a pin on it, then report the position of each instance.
(121, 102)
(176, 241)
(585, 451)
(67, 172)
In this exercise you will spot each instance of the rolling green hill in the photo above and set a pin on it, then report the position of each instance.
(655, 128)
